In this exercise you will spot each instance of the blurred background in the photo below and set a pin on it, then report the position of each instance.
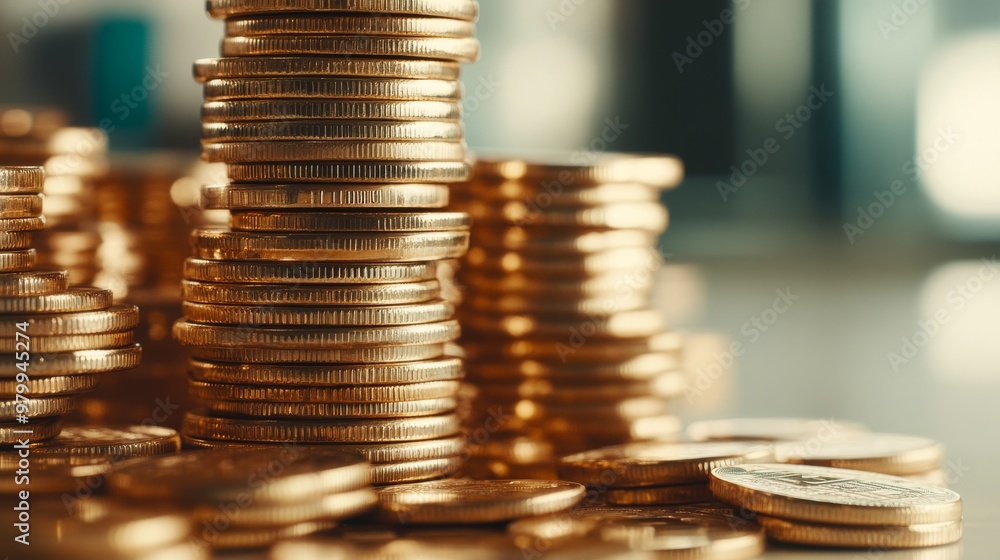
(841, 213)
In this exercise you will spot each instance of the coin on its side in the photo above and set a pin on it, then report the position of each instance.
(360, 172)
(332, 150)
(353, 89)
(69, 343)
(117, 318)
(15, 240)
(349, 221)
(895, 454)
(198, 425)
(21, 180)
(877, 538)
(654, 170)
(33, 283)
(276, 131)
(442, 369)
(328, 410)
(272, 296)
(376, 453)
(313, 197)
(48, 386)
(226, 336)
(17, 261)
(20, 206)
(411, 314)
(77, 363)
(244, 110)
(415, 471)
(355, 24)
(41, 429)
(13, 409)
(456, 49)
(74, 300)
(277, 67)
(467, 10)
(285, 273)
(120, 442)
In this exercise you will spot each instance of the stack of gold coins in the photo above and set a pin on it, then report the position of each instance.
(823, 506)
(317, 317)
(59, 339)
(562, 344)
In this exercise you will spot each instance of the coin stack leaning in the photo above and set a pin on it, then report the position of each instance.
(562, 344)
(316, 318)
(57, 339)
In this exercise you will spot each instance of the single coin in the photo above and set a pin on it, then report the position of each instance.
(33, 283)
(332, 130)
(355, 247)
(277, 67)
(76, 299)
(530, 239)
(331, 431)
(378, 355)
(117, 318)
(22, 224)
(624, 324)
(68, 343)
(20, 206)
(327, 507)
(349, 221)
(194, 334)
(312, 273)
(348, 89)
(641, 367)
(381, 394)
(538, 197)
(332, 150)
(15, 240)
(456, 9)
(362, 172)
(16, 409)
(120, 442)
(442, 369)
(313, 109)
(76, 363)
(773, 429)
(640, 216)
(661, 171)
(40, 429)
(470, 501)
(834, 496)
(21, 180)
(376, 454)
(309, 197)
(285, 474)
(877, 538)
(894, 454)
(350, 25)
(270, 295)
(251, 538)
(462, 49)
(48, 386)
(635, 261)
(17, 261)
(430, 312)
(658, 495)
(415, 471)
(326, 411)
(656, 464)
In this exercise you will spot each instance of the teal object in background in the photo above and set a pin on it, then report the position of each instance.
(124, 82)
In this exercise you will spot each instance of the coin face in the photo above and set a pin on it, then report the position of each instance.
(834, 496)
(468, 501)
(885, 453)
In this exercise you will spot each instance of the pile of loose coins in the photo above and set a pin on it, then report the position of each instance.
(316, 318)
(563, 347)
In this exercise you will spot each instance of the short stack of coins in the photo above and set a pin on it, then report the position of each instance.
(58, 339)
(562, 345)
(317, 317)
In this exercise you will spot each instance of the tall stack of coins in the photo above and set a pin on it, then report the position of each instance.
(562, 344)
(317, 318)
(58, 339)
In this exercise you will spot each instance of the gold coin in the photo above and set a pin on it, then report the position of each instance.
(872, 538)
(586, 169)
(644, 366)
(658, 495)
(664, 385)
(348, 89)
(69, 343)
(13, 409)
(556, 288)
(456, 9)
(33, 283)
(76, 363)
(325, 411)
(39, 429)
(362, 172)
(349, 221)
(286, 474)
(637, 261)
(76, 299)
(236, 538)
(20, 206)
(530, 239)
(370, 394)
(22, 224)
(14, 240)
(470, 501)
(415, 471)
(306, 197)
(331, 130)
(539, 197)
(602, 434)
(278, 67)
(320, 508)
(21, 180)
(464, 49)
(378, 355)
(641, 216)
(570, 351)
(331, 150)
(312, 109)
(614, 411)
(893, 454)
(834, 496)
(491, 308)
(316, 273)
(331, 431)
(49, 386)
(772, 429)
(355, 247)
(442, 369)
(17, 261)
(119, 442)
(354, 24)
(624, 324)
(117, 318)
(430, 312)
(377, 454)
(194, 334)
